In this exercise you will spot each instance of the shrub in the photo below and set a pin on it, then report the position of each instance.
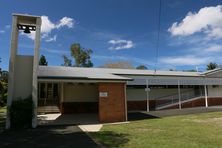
(3, 93)
(21, 113)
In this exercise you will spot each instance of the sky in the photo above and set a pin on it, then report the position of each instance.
(121, 30)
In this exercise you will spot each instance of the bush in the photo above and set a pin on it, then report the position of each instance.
(21, 113)
(3, 93)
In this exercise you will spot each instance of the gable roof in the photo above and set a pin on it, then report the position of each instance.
(209, 72)
(61, 72)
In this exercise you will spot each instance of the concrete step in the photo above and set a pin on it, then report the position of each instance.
(48, 109)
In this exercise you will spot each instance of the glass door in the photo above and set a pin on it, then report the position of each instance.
(48, 94)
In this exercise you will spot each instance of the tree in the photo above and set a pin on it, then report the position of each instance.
(212, 66)
(81, 56)
(4, 76)
(0, 68)
(191, 70)
(141, 67)
(67, 61)
(118, 64)
(43, 61)
(3, 86)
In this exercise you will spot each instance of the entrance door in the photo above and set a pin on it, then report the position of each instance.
(52, 94)
(48, 97)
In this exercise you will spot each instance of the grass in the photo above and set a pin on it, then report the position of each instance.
(3, 109)
(188, 131)
(2, 117)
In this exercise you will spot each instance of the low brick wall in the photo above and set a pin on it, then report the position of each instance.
(141, 105)
(112, 107)
(78, 107)
(199, 102)
(214, 101)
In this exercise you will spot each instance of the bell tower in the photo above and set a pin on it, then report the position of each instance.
(23, 69)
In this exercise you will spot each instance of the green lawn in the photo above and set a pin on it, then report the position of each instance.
(3, 109)
(188, 131)
(2, 117)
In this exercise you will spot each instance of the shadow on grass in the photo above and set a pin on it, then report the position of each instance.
(110, 138)
(47, 136)
(134, 116)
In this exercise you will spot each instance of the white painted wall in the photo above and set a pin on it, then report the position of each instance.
(23, 76)
(215, 91)
(74, 92)
(134, 94)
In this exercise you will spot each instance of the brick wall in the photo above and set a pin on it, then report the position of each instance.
(78, 107)
(112, 107)
(140, 105)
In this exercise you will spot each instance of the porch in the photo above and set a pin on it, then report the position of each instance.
(81, 102)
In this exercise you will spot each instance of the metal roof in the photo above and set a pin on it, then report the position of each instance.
(61, 72)
(138, 76)
(209, 72)
(150, 72)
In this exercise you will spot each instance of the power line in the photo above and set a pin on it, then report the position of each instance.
(158, 35)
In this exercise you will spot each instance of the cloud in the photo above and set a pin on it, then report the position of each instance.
(212, 48)
(48, 26)
(5, 28)
(120, 44)
(188, 60)
(51, 39)
(45, 49)
(207, 20)
(65, 21)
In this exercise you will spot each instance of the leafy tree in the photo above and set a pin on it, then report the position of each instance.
(0, 68)
(67, 61)
(141, 67)
(3, 92)
(212, 66)
(81, 55)
(191, 70)
(43, 61)
(118, 64)
(4, 76)
(3, 86)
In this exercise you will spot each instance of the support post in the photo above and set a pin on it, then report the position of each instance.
(147, 96)
(35, 71)
(62, 98)
(62, 92)
(126, 108)
(12, 61)
(179, 95)
(206, 99)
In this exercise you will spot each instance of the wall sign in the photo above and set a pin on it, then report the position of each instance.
(103, 94)
(147, 89)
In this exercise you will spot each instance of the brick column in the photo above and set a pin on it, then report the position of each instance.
(112, 107)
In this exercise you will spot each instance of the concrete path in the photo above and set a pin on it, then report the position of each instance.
(86, 122)
(47, 137)
(68, 119)
(91, 127)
